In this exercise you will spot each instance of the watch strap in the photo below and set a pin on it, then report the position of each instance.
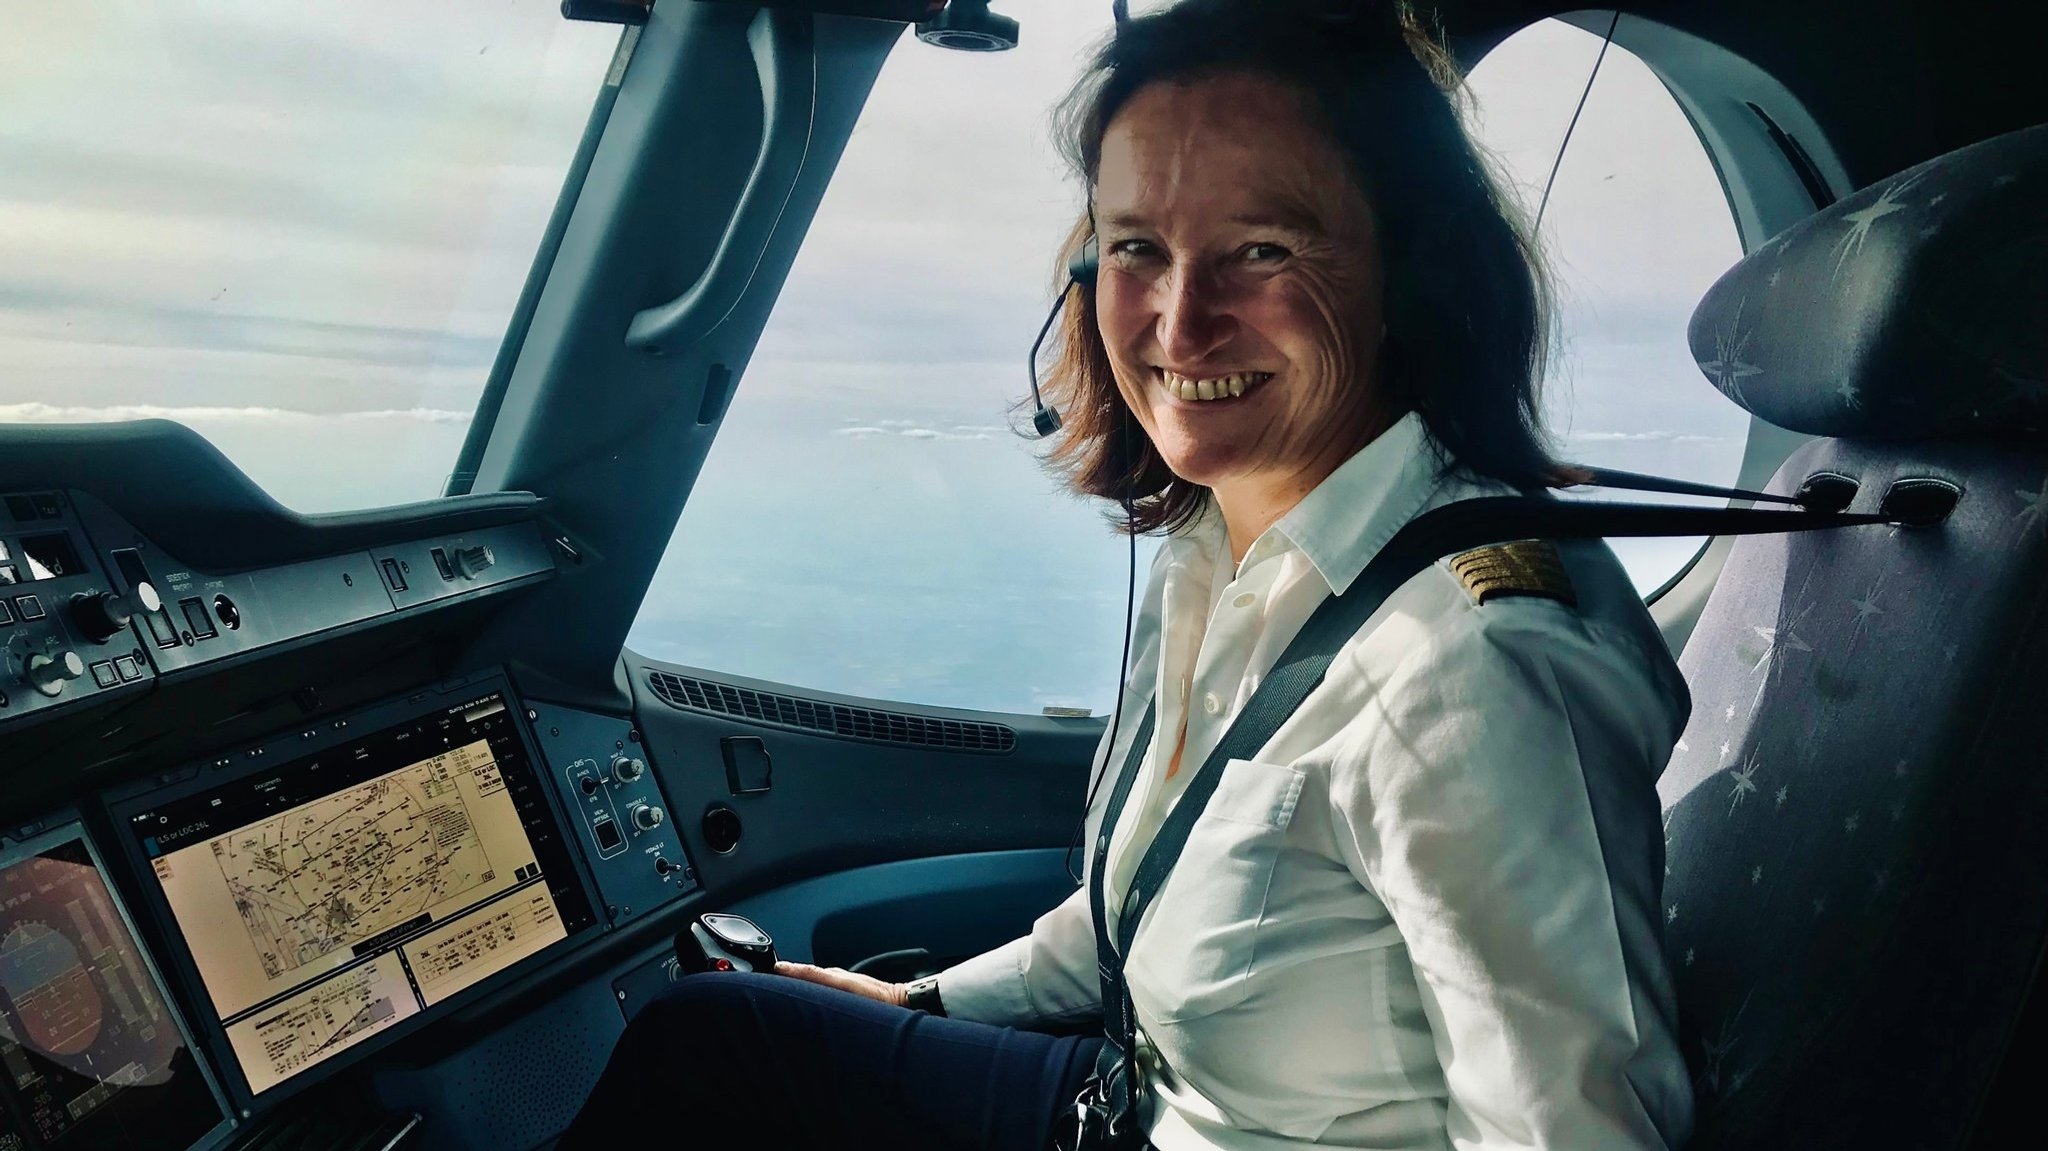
(924, 996)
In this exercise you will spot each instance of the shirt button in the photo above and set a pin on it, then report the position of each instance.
(1211, 704)
(1247, 599)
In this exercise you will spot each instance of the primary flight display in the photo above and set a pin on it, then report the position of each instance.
(91, 1055)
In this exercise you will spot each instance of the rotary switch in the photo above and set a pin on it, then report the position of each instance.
(647, 817)
(471, 562)
(50, 674)
(105, 615)
(627, 768)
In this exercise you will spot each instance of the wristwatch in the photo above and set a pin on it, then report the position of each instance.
(924, 996)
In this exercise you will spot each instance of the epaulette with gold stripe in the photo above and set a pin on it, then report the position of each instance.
(1525, 567)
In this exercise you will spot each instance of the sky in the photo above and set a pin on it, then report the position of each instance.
(300, 229)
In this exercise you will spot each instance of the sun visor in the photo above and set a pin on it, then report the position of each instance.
(1915, 309)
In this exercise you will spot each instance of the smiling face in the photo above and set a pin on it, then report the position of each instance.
(1239, 294)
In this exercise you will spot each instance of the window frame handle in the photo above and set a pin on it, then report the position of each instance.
(785, 59)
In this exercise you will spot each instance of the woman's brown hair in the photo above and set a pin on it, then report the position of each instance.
(1466, 304)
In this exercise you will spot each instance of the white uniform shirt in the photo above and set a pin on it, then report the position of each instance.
(1427, 915)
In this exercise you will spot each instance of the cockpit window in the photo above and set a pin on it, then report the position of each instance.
(298, 229)
(1636, 229)
(868, 522)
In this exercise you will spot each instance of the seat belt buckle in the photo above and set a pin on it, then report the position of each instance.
(1085, 1125)
(1095, 1122)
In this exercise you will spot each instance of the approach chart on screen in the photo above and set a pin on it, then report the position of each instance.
(366, 860)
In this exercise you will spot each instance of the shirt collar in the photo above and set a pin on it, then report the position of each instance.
(1347, 519)
(1352, 514)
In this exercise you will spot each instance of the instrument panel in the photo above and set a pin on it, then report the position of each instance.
(90, 607)
(307, 898)
(64, 624)
(93, 1054)
(314, 897)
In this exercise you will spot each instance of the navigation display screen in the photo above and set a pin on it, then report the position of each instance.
(330, 899)
(90, 1054)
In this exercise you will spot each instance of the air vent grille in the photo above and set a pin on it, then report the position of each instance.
(831, 718)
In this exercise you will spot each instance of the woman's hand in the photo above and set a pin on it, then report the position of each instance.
(895, 994)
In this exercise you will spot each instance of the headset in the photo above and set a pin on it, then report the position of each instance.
(1045, 419)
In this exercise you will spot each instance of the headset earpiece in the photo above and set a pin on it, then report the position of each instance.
(1082, 267)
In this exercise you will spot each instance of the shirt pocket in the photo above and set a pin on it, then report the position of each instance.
(1199, 940)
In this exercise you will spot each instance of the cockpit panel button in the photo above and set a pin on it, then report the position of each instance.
(28, 607)
(161, 629)
(126, 667)
(198, 619)
(103, 673)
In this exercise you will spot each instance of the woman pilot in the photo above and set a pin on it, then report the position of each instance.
(1426, 913)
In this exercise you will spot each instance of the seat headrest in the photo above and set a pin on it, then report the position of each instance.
(1915, 309)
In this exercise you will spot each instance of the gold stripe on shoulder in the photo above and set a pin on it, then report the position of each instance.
(1522, 568)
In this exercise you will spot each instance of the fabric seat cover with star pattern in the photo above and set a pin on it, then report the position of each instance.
(1856, 895)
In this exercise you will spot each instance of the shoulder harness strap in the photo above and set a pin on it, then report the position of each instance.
(1521, 568)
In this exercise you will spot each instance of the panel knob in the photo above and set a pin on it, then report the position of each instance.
(627, 769)
(471, 562)
(105, 615)
(50, 675)
(647, 817)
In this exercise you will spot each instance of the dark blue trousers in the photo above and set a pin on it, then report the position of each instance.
(780, 1064)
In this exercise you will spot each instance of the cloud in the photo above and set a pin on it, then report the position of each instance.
(914, 430)
(103, 318)
(39, 413)
(232, 186)
(1653, 437)
(164, 192)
